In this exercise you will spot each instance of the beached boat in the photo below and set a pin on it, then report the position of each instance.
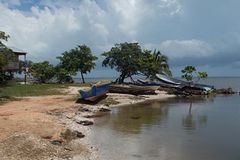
(95, 92)
(183, 84)
(131, 89)
(148, 83)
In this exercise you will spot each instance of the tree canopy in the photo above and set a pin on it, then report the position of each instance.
(129, 59)
(42, 71)
(4, 51)
(79, 59)
(190, 71)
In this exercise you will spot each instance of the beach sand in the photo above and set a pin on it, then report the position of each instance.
(45, 120)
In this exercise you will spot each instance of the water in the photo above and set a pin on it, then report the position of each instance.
(202, 128)
(208, 129)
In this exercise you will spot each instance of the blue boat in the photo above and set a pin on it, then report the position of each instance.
(96, 91)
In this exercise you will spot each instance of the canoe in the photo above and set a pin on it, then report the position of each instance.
(95, 92)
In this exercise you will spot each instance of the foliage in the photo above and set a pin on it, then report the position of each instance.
(42, 71)
(3, 49)
(79, 59)
(152, 63)
(124, 58)
(62, 75)
(129, 59)
(5, 54)
(190, 71)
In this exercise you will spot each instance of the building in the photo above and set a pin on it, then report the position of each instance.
(16, 62)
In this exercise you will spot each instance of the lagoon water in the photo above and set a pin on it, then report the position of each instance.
(202, 128)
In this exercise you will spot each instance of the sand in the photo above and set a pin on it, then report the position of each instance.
(45, 118)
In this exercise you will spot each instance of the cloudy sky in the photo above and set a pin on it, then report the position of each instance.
(204, 33)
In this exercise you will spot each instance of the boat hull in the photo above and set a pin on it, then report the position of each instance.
(95, 92)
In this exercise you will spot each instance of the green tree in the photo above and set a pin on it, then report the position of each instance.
(129, 59)
(79, 59)
(190, 71)
(152, 63)
(3, 50)
(5, 54)
(62, 75)
(42, 71)
(123, 57)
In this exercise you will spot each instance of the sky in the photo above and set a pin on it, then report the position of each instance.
(203, 33)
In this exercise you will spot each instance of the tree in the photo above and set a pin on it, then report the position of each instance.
(129, 59)
(62, 75)
(152, 63)
(42, 71)
(3, 50)
(5, 54)
(79, 59)
(190, 71)
(124, 57)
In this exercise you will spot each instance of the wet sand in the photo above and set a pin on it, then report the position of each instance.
(44, 122)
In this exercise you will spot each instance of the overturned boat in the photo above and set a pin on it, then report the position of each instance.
(148, 83)
(183, 84)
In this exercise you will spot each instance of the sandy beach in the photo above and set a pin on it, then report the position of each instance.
(56, 127)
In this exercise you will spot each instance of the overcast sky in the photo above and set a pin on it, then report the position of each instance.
(204, 33)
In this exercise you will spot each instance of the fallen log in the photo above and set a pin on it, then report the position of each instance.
(131, 89)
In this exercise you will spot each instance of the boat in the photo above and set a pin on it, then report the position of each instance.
(183, 84)
(132, 89)
(95, 92)
(152, 84)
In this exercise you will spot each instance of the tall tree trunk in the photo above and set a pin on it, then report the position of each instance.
(82, 78)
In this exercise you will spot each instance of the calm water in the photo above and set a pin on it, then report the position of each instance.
(208, 129)
(181, 129)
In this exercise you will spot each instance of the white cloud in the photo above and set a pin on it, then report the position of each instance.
(53, 26)
(184, 48)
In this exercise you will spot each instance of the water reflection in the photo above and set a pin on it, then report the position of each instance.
(190, 121)
(207, 129)
(132, 119)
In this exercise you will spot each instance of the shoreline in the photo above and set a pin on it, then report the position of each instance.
(57, 120)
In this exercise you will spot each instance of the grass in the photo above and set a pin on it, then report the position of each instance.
(18, 90)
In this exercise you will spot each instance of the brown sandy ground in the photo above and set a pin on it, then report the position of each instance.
(29, 127)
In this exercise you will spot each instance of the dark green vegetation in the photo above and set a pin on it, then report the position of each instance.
(42, 71)
(5, 54)
(190, 71)
(129, 59)
(79, 59)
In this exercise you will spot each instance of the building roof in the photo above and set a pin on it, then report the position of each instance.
(17, 51)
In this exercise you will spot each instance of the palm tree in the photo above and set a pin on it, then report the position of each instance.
(163, 61)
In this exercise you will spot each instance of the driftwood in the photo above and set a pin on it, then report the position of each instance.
(131, 89)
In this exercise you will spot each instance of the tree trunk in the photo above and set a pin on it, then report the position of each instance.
(83, 81)
(121, 78)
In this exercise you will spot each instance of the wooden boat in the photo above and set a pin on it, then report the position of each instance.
(95, 92)
(131, 89)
